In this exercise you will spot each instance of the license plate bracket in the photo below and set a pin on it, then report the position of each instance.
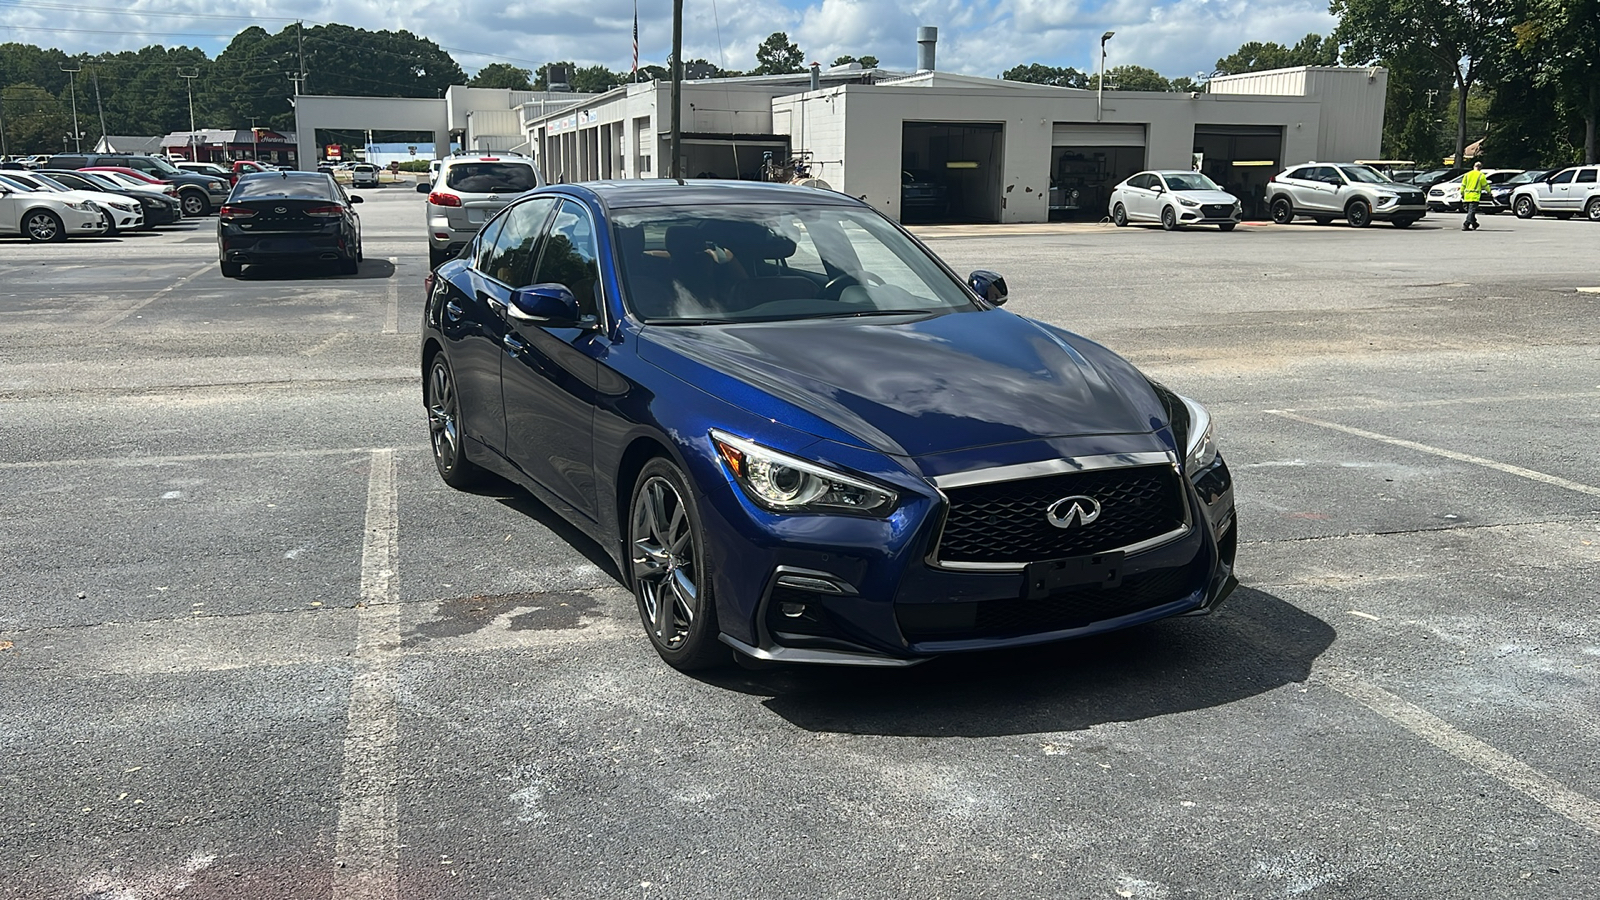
(1103, 570)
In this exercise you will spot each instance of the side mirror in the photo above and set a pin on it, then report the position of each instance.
(424, 188)
(550, 305)
(988, 285)
(357, 199)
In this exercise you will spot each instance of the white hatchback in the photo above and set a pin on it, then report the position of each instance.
(1174, 198)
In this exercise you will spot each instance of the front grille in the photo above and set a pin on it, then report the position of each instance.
(1005, 522)
(1217, 210)
(1067, 608)
(1412, 198)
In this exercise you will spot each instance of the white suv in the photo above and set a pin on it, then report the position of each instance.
(1355, 193)
(468, 190)
(1567, 193)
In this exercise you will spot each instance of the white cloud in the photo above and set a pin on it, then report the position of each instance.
(983, 37)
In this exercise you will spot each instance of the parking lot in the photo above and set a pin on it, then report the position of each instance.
(252, 647)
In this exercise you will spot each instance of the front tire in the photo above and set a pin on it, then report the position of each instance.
(195, 204)
(1169, 219)
(111, 222)
(43, 227)
(1119, 216)
(1525, 208)
(444, 428)
(1358, 214)
(667, 566)
(1282, 211)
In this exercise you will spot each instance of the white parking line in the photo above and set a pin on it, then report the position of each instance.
(1507, 468)
(391, 317)
(366, 855)
(1541, 788)
(118, 318)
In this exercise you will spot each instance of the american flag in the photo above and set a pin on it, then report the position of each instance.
(635, 40)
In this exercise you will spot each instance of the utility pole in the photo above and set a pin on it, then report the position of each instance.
(255, 140)
(77, 144)
(300, 45)
(98, 108)
(2, 123)
(677, 88)
(188, 80)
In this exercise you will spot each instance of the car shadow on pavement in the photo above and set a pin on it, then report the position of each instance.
(513, 497)
(294, 271)
(1255, 643)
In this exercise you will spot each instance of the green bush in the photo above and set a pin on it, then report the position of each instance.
(415, 165)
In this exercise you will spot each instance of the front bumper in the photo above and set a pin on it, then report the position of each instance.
(1400, 211)
(851, 591)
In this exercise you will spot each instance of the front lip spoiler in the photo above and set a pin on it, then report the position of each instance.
(783, 654)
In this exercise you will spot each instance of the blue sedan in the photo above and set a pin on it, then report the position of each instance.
(802, 437)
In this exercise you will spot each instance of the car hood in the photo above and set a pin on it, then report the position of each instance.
(913, 386)
(95, 197)
(1207, 196)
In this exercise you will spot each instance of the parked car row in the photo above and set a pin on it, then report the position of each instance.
(46, 205)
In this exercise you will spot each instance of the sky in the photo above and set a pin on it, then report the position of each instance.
(976, 37)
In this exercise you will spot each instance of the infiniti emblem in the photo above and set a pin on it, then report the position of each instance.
(1074, 510)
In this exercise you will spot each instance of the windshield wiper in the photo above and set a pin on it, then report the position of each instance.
(686, 320)
(872, 312)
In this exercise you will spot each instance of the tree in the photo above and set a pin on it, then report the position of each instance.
(1254, 56)
(35, 119)
(1562, 39)
(1454, 37)
(778, 56)
(1132, 78)
(595, 79)
(867, 62)
(1056, 76)
(502, 75)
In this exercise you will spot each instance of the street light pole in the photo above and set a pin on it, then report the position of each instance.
(1100, 86)
(99, 108)
(188, 81)
(77, 145)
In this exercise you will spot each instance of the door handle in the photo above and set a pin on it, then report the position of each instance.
(514, 344)
(453, 311)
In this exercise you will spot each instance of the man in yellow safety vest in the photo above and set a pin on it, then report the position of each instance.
(1474, 185)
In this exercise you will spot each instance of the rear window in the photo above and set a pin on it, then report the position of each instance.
(486, 177)
(290, 188)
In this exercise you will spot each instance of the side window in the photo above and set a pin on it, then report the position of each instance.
(1146, 181)
(1563, 178)
(571, 256)
(510, 258)
(1326, 175)
(483, 249)
(1303, 173)
(1586, 176)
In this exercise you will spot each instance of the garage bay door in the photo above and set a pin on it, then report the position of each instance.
(1090, 134)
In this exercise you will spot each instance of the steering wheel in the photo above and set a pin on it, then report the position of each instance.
(834, 289)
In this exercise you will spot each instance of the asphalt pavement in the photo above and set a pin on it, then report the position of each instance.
(252, 647)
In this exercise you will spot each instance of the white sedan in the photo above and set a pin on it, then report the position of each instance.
(1174, 198)
(43, 216)
(122, 213)
(1446, 195)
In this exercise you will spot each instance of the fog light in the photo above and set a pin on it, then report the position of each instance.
(792, 610)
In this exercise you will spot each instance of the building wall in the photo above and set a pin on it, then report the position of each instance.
(1350, 101)
(313, 111)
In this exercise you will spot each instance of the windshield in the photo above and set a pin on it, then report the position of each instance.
(18, 185)
(1190, 181)
(1364, 175)
(484, 177)
(163, 166)
(705, 265)
(1528, 177)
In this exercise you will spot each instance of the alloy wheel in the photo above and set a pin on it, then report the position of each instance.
(664, 556)
(1593, 210)
(43, 227)
(194, 205)
(1524, 208)
(443, 425)
(1359, 215)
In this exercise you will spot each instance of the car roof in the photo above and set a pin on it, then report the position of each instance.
(683, 192)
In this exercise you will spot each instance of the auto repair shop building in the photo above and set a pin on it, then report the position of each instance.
(1006, 151)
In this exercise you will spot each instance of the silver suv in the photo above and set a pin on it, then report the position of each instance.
(467, 192)
(1357, 194)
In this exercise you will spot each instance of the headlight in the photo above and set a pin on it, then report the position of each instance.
(1202, 449)
(1388, 200)
(778, 482)
(125, 207)
(81, 206)
(1187, 202)
(217, 188)
(149, 203)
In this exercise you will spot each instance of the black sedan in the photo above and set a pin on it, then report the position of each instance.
(159, 209)
(288, 216)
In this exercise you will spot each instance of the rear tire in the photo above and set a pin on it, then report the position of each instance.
(444, 428)
(43, 227)
(1119, 216)
(1227, 226)
(351, 266)
(1358, 214)
(668, 568)
(1169, 219)
(1592, 211)
(1282, 211)
(232, 269)
(436, 258)
(195, 204)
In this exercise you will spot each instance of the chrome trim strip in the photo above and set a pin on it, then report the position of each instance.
(1182, 531)
(1053, 467)
(819, 657)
